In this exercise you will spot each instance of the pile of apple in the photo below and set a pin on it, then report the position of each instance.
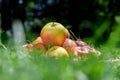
(54, 40)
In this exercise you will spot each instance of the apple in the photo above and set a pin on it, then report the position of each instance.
(67, 34)
(92, 50)
(57, 51)
(36, 44)
(54, 34)
(79, 51)
(80, 43)
(69, 44)
(85, 50)
(29, 47)
(37, 40)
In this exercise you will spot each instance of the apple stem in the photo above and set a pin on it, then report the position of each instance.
(53, 24)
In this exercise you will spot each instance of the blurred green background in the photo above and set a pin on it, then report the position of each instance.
(94, 21)
(97, 22)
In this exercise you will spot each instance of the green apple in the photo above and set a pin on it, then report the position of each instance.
(57, 51)
(54, 34)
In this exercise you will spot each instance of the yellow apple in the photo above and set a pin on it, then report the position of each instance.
(37, 40)
(54, 34)
(69, 44)
(57, 51)
(67, 34)
(29, 47)
(36, 44)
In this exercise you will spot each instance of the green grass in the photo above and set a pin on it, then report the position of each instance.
(21, 65)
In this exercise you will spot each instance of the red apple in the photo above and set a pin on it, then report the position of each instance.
(85, 50)
(69, 44)
(57, 51)
(54, 34)
(79, 51)
(80, 43)
(92, 50)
